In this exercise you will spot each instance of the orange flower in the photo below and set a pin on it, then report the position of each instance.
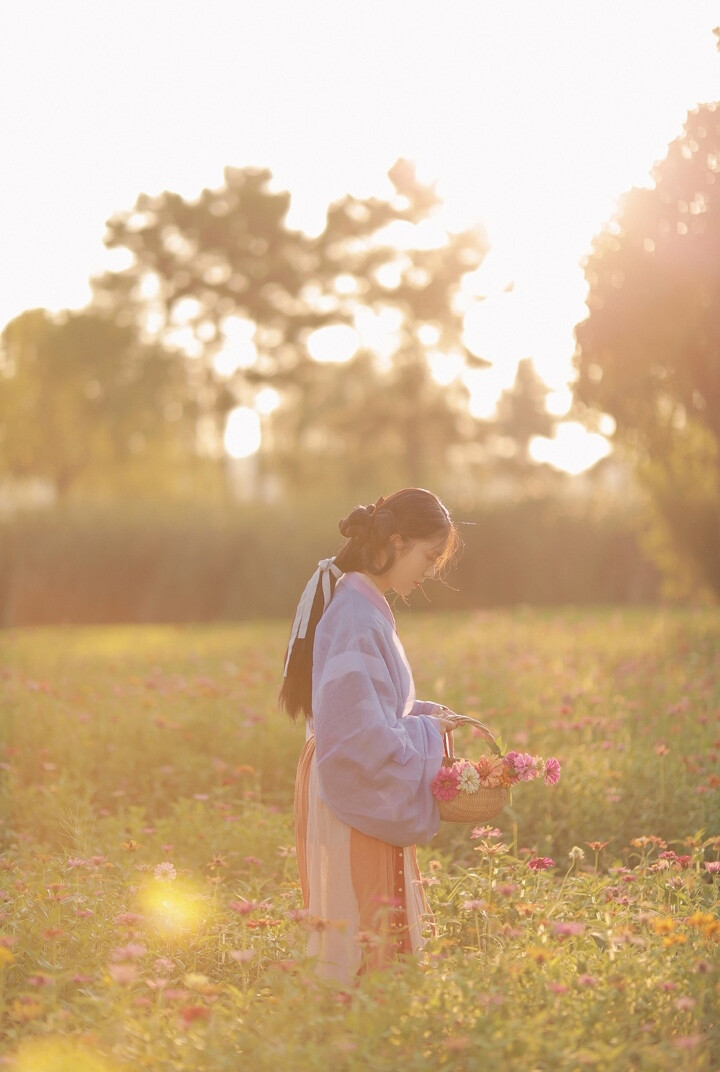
(651, 839)
(674, 939)
(525, 908)
(24, 1009)
(663, 926)
(538, 954)
(700, 919)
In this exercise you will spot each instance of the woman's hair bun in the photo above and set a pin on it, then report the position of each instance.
(383, 523)
(358, 522)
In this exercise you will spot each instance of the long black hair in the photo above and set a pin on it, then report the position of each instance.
(413, 514)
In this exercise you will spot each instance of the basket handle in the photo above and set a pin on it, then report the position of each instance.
(480, 726)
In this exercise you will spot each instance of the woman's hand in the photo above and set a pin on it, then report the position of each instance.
(445, 719)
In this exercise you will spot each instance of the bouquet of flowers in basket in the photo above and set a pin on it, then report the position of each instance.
(490, 772)
(469, 790)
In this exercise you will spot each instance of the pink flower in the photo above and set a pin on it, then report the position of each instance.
(687, 1042)
(485, 832)
(129, 918)
(541, 863)
(587, 980)
(175, 994)
(568, 929)
(243, 908)
(242, 956)
(445, 783)
(122, 973)
(128, 952)
(165, 871)
(507, 889)
(521, 766)
(552, 771)
(712, 867)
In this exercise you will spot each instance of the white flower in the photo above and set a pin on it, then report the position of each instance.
(469, 779)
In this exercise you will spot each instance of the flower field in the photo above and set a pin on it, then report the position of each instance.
(150, 915)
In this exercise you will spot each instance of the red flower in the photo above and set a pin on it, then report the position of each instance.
(188, 1013)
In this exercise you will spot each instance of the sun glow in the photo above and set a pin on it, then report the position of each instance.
(336, 343)
(173, 908)
(243, 432)
(483, 108)
(56, 1054)
(572, 448)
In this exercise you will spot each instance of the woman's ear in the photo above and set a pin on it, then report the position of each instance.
(398, 542)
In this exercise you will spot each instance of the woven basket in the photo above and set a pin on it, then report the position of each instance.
(484, 803)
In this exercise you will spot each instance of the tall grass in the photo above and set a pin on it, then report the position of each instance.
(92, 564)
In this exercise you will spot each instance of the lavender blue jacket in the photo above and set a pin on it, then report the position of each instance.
(377, 751)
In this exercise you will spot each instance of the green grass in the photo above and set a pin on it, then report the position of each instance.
(126, 748)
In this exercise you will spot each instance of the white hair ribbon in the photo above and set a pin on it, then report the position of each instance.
(326, 566)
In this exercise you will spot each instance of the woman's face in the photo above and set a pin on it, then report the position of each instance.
(414, 563)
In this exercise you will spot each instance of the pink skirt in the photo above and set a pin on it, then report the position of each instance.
(365, 898)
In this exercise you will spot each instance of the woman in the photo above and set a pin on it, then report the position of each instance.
(362, 795)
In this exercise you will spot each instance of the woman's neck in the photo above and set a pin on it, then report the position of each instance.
(373, 581)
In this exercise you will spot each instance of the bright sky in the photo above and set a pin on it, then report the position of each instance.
(533, 117)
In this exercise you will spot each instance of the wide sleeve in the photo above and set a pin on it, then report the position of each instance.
(426, 707)
(374, 767)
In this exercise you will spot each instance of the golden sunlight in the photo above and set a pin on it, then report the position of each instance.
(572, 448)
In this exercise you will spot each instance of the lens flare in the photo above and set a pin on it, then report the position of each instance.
(58, 1055)
(173, 908)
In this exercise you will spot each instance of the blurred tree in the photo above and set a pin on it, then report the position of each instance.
(648, 354)
(370, 427)
(203, 271)
(82, 398)
(197, 264)
(521, 413)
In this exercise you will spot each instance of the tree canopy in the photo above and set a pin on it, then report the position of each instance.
(82, 396)
(648, 353)
(198, 268)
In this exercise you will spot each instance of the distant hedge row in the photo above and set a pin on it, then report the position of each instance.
(160, 565)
